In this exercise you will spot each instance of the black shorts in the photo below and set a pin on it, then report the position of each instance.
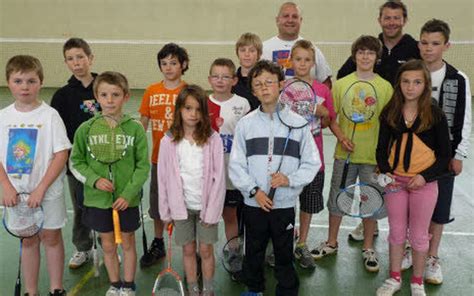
(442, 211)
(100, 220)
(311, 198)
(233, 198)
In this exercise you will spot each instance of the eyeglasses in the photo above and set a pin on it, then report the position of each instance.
(259, 85)
(223, 77)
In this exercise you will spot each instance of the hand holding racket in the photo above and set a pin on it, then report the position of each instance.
(22, 221)
(298, 96)
(358, 106)
(107, 143)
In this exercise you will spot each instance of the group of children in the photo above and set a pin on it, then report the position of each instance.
(218, 156)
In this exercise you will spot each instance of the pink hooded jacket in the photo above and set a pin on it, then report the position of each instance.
(171, 198)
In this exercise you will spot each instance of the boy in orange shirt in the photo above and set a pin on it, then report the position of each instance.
(157, 108)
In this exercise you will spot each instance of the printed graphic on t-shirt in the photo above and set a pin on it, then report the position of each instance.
(227, 142)
(21, 150)
(89, 106)
(160, 103)
(282, 58)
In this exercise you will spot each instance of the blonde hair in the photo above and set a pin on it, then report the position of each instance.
(249, 39)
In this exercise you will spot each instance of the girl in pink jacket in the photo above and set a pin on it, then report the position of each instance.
(191, 181)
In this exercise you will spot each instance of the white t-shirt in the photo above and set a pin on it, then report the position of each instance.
(28, 141)
(437, 78)
(190, 169)
(278, 51)
(224, 117)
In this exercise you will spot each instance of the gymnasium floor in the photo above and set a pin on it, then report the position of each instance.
(342, 274)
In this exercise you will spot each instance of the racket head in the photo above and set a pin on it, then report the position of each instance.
(22, 221)
(168, 283)
(300, 97)
(359, 102)
(106, 140)
(232, 255)
(360, 200)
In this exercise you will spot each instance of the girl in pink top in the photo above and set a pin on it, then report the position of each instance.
(191, 182)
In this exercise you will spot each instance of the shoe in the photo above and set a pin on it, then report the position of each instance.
(433, 274)
(112, 291)
(155, 253)
(417, 290)
(58, 292)
(270, 259)
(407, 260)
(323, 250)
(194, 291)
(238, 277)
(304, 257)
(371, 262)
(389, 287)
(127, 292)
(79, 258)
(207, 292)
(358, 233)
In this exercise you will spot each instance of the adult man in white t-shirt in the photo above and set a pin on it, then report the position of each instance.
(277, 49)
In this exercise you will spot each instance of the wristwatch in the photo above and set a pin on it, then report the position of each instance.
(253, 192)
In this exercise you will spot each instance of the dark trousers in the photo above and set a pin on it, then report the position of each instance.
(260, 226)
(81, 237)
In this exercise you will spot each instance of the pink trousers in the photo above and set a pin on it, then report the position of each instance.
(409, 214)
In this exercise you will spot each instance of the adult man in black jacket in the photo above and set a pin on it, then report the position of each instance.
(397, 47)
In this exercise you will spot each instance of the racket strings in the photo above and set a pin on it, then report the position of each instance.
(300, 98)
(360, 201)
(107, 142)
(359, 102)
(21, 220)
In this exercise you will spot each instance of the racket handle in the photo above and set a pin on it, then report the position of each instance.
(170, 229)
(117, 231)
(18, 288)
(344, 176)
(271, 194)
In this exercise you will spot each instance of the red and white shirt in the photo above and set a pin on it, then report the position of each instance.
(224, 117)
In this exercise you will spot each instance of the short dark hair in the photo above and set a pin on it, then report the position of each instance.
(366, 42)
(224, 62)
(112, 78)
(394, 4)
(22, 64)
(267, 66)
(437, 26)
(77, 43)
(174, 50)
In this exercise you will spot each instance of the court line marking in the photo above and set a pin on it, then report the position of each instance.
(83, 281)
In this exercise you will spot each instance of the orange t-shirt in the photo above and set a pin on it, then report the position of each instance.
(158, 104)
(421, 157)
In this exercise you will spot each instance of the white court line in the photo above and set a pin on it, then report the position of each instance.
(454, 233)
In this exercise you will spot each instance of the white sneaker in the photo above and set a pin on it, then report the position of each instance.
(417, 290)
(407, 260)
(127, 292)
(371, 263)
(389, 287)
(112, 291)
(78, 259)
(433, 274)
(358, 233)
